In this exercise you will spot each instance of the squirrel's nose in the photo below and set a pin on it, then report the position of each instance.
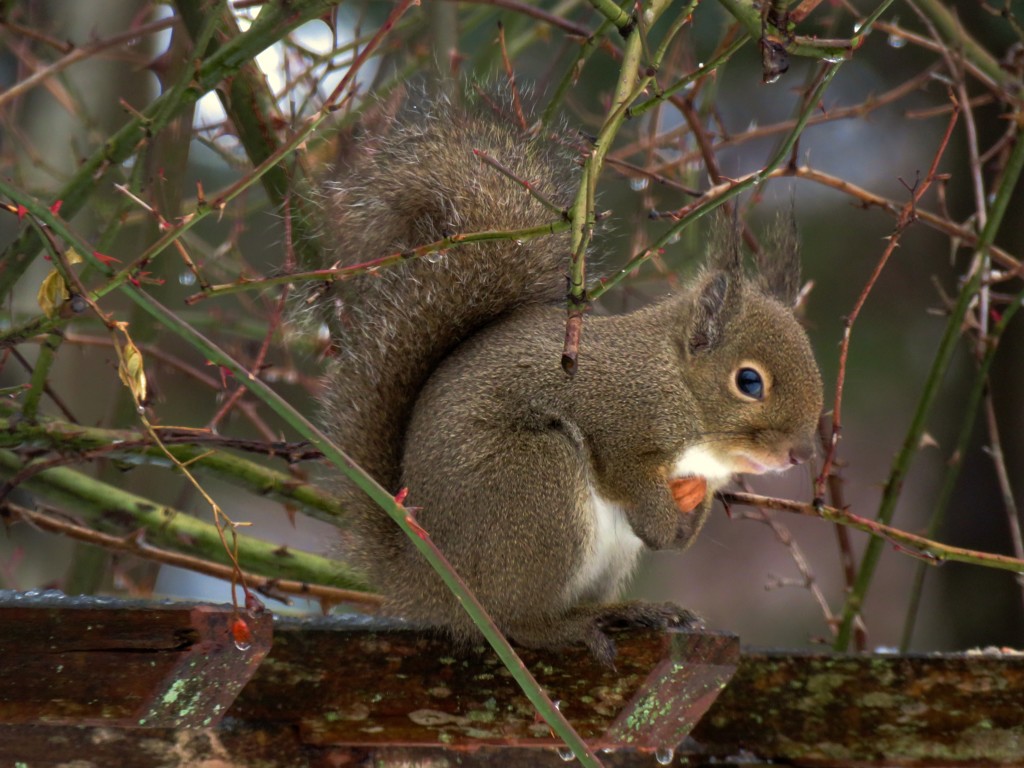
(798, 454)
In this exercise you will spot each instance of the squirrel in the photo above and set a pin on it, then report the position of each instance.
(541, 489)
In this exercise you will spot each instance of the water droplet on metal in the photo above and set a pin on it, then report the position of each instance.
(241, 634)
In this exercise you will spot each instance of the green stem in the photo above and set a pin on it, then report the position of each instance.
(129, 446)
(623, 21)
(901, 465)
(40, 372)
(112, 510)
(683, 82)
(582, 215)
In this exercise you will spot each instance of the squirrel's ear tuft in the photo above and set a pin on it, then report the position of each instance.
(724, 251)
(719, 293)
(778, 264)
(718, 299)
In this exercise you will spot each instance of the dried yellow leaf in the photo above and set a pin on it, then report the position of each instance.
(132, 368)
(53, 291)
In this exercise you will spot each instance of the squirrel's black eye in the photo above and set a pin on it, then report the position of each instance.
(750, 383)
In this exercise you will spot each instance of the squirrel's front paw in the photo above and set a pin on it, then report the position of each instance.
(689, 495)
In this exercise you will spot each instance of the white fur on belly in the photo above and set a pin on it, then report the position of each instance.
(610, 553)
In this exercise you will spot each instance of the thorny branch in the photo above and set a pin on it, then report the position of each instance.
(928, 551)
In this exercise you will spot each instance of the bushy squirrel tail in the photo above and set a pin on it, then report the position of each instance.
(417, 182)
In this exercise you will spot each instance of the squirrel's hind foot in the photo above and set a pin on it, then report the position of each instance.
(643, 614)
(590, 625)
(620, 616)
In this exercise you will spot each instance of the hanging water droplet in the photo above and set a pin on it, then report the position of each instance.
(188, 277)
(895, 41)
(558, 704)
(566, 754)
(857, 25)
(638, 183)
(241, 635)
(772, 78)
(664, 755)
(833, 58)
(437, 257)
